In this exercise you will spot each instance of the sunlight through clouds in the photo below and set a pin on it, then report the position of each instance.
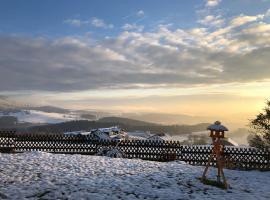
(131, 56)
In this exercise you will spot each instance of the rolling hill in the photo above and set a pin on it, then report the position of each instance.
(124, 123)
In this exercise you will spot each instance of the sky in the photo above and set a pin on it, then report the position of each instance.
(194, 57)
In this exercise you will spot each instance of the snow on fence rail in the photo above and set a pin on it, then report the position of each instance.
(234, 157)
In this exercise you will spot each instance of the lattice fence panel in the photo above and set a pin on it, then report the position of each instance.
(234, 157)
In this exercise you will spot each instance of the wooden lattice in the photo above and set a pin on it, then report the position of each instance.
(234, 157)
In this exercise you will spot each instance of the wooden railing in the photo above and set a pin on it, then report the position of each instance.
(234, 157)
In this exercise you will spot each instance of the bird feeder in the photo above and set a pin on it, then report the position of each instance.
(217, 132)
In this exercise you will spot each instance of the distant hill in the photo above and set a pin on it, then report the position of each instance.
(48, 117)
(126, 124)
(89, 116)
(11, 122)
(49, 109)
(8, 121)
(126, 121)
(168, 119)
(6, 103)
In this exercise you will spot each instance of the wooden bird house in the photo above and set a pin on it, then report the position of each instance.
(217, 131)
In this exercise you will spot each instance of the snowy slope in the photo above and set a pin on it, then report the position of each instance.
(35, 116)
(39, 175)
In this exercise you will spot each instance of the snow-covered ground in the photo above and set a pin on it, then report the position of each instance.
(39, 175)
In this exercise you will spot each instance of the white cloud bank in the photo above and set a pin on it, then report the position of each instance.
(134, 59)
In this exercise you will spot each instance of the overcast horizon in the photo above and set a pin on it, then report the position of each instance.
(199, 57)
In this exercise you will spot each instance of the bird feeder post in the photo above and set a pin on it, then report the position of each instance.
(217, 131)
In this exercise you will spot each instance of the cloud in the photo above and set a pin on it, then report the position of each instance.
(212, 3)
(100, 23)
(132, 60)
(74, 22)
(55, 65)
(211, 20)
(140, 13)
(258, 29)
(267, 14)
(96, 22)
(243, 19)
(166, 57)
(128, 27)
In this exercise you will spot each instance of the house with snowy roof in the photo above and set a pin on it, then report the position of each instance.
(155, 138)
(99, 135)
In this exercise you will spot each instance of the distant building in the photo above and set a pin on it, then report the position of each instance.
(77, 133)
(99, 135)
(155, 138)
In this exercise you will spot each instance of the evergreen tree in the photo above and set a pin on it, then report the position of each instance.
(260, 128)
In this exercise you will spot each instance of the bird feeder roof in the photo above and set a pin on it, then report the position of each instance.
(217, 127)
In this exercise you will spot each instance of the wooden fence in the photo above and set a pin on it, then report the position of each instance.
(234, 157)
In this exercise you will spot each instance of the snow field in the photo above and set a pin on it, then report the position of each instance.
(38, 175)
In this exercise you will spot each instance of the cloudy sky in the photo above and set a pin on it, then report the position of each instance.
(195, 57)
